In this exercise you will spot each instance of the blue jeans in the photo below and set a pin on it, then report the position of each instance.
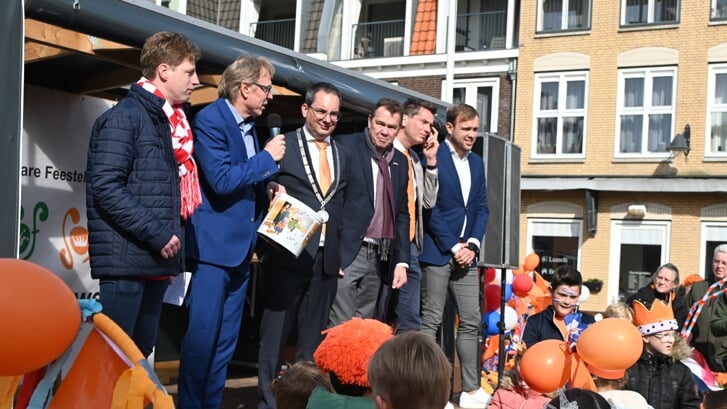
(135, 305)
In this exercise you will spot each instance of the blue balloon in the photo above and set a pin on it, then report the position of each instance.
(508, 292)
(485, 316)
(493, 319)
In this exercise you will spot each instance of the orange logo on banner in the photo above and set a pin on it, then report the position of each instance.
(75, 240)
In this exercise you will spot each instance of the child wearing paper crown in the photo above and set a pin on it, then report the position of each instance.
(561, 320)
(658, 375)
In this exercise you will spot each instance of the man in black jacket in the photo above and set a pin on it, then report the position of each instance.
(142, 185)
(298, 291)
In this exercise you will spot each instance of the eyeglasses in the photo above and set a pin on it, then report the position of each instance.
(266, 88)
(664, 279)
(322, 113)
(666, 336)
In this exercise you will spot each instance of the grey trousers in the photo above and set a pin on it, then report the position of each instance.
(464, 287)
(359, 288)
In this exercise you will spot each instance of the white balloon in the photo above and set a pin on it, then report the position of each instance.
(585, 294)
(498, 276)
(510, 318)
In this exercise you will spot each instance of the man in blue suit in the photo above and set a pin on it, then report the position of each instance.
(298, 292)
(453, 230)
(223, 231)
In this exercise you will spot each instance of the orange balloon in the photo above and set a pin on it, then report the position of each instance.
(531, 262)
(40, 317)
(610, 334)
(545, 366)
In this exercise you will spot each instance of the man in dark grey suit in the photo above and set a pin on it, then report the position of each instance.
(417, 129)
(298, 292)
(376, 231)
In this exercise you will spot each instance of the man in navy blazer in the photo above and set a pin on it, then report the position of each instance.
(222, 233)
(453, 230)
(376, 231)
(298, 292)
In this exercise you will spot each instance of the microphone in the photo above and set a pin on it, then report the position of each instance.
(274, 123)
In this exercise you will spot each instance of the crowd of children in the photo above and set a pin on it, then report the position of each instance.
(410, 370)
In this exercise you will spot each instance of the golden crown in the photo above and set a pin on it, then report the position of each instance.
(658, 318)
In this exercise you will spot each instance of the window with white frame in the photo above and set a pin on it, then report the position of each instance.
(640, 12)
(718, 10)
(559, 122)
(637, 249)
(563, 15)
(646, 111)
(713, 234)
(557, 242)
(483, 94)
(717, 108)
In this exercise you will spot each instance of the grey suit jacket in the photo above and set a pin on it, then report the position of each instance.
(427, 187)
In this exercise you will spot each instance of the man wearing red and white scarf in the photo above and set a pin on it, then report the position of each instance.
(142, 187)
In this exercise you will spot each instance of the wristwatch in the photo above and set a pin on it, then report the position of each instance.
(473, 247)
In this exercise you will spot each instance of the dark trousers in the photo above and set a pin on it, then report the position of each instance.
(292, 299)
(135, 305)
(216, 300)
(408, 300)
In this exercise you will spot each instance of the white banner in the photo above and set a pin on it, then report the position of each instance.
(53, 233)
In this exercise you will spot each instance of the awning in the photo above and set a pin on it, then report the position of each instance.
(131, 22)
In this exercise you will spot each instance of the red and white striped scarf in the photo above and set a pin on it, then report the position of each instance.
(183, 144)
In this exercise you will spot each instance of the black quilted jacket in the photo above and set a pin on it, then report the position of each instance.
(664, 382)
(132, 190)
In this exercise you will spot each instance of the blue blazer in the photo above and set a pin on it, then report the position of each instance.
(223, 229)
(443, 223)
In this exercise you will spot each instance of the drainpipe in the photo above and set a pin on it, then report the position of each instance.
(512, 73)
(451, 43)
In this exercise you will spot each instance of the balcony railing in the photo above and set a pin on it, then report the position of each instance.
(481, 31)
(378, 39)
(280, 32)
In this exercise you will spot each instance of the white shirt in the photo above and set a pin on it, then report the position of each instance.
(462, 166)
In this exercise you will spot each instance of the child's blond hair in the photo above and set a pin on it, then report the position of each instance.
(619, 310)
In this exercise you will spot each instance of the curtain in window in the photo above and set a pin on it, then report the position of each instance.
(548, 96)
(576, 91)
(552, 14)
(631, 128)
(662, 91)
(634, 92)
(720, 91)
(659, 132)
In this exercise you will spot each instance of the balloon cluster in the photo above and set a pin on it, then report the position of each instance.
(519, 282)
(548, 365)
